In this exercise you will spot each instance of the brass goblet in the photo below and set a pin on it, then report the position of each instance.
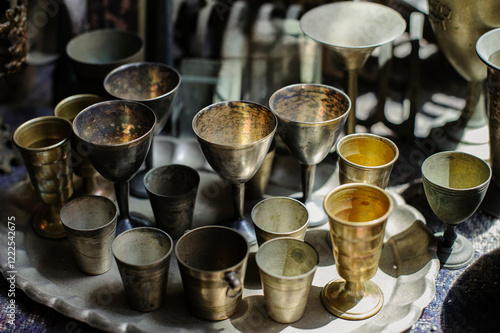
(152, 84)
(235, 137)
(455, 184)
(352, 30)
(357, 215)
(117, 136)
(45, 147)
(93, 182)
(311, 117)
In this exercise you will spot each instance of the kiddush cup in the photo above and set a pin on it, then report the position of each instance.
(366, 158)
(143, 258)
(286, 267)
(357, 215)
(90, 224)
(212, 261)
(45, 146)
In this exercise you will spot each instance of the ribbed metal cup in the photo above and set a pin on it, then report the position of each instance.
(212, 261)
(90, 224)
(287, 267)
(172, 191)
(143, 258)
(279, 217)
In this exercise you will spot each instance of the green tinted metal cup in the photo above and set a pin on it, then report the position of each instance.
(279, 217)
(287, 267)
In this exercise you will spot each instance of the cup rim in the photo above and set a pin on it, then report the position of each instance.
(385, 140)
(37, 120)
(163, 167)
(253, 212)
(480, 48)
(280, 239)
(89, 197)
(75, 97)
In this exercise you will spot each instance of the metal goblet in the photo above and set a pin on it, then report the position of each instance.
(235, 137)
(117, 137)
(152, 84)
(311, 117)
(357, 215)
(455, 184)
(352, 30)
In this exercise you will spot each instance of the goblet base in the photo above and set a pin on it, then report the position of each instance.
(314, 205)
(135, 220)
(343, 304)
(458, 256)
(46, 225)
(137, 188)
(245, 227)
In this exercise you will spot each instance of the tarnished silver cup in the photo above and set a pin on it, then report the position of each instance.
(143, 258)
(286, 267)
(172, 193)
(212, 261)
(279, 217)
(90, 224)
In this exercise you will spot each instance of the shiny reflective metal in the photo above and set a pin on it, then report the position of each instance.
(455, 184)
(152, 84)
(352, 30)
(311, 118)
(90, 224)
(457, 26)
(95, 53)
(488, 49)
(143, 259)
(366, 158)
(212, 261)
(172, 193)
(256, 187)
(277, 217)
(45, 146)
(358, 214)
(93, 182)
(117, 136)
(287, 267)
(235, 137)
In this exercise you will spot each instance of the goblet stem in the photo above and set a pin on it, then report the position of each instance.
(352, 92)
(238, 200)
(449, 236)
(127, 220)
(308, 174)
(355, 290)
(241, 223)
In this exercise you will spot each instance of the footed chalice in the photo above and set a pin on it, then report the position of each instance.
(455, 184)
(311, 117)
(235, 137)
(117, 135)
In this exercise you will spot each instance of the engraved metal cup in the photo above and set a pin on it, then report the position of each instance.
(212, 261)
(45, 146)
(366, 158)
(287, 267)
(93, 182)
(153, 84)
(172, 193)
(358, 214)
(311, 118)
(455, 184)
(143, 259)
(277, 217)
(90, 224)
(235, 137)
(117, 136)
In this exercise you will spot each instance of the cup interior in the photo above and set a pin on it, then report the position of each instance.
(42, 132)
(171, 180)
(88, 213)
(367, 150)
(142, 246)
(280, 215)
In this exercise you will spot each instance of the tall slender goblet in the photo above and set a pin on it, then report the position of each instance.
(44, 144)
(352, 30)
(153, 84)
(357, 214)
(311, 117)
(235, 137)
(455, 184)
(117, 135)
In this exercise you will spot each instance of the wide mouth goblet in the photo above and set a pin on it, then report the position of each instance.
(117, 136)
(357, 215)
(235, 137)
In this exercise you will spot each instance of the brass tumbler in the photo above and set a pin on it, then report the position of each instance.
(45, 146)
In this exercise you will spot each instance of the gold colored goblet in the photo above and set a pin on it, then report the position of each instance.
(357, 215)
(44, 143)
(455, 184)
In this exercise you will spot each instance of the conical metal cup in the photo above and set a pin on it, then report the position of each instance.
(286, 267)
(45, 146)
(90, 224)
